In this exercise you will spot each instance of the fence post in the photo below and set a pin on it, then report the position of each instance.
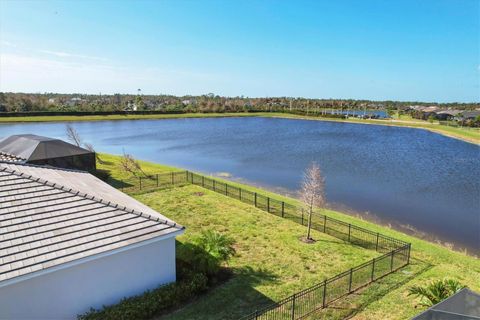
(350, 281)
(140, 178)
(173, 179)
(302, 216)
(376, 246)
(203, 181)
(268, 204)
(408, 254)
(349, 231)
(226, 188)
(391, 261)
(157, 180)
(283, 209)
(255, 199)
(240, 193)
(293, 307)
(256, 314)
(373, 270)
(324, 293)
(324, 224)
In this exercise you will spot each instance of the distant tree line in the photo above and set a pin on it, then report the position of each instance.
(55, 102)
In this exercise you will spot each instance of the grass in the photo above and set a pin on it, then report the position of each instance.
(271, 263)
(471, 135)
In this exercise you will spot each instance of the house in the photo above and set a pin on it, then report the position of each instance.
(448, 114)
(470, 115)
(29, 148)
(69, 242)
(74, 101)
(465, 304)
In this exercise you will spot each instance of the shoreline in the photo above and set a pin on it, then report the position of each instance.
(342, 209)
(472, 137)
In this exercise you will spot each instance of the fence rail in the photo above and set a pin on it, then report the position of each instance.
(153, 181)
(395, 253)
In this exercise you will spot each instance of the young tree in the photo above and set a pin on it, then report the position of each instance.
(312, 193)
(130, 165)
(73, 135)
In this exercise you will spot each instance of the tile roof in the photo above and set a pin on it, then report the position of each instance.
(10, 157)
(47, 218)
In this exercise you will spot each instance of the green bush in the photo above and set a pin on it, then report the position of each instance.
(154, 302)
(436, 291)
(207, 252)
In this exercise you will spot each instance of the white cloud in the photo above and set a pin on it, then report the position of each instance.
(62, 54)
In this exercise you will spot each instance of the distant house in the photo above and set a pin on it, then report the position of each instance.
(421, 112)
(74, 101)
(29, 148)
(448, 114)
(470, 115)
(69, 242)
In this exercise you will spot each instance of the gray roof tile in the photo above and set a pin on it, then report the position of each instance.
(52, 216)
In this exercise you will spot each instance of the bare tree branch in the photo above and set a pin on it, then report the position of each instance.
(73, 136)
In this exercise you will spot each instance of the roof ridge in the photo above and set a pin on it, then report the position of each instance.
(87, 196)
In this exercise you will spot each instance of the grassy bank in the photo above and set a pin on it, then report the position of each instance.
(471, 135)
(271, 262)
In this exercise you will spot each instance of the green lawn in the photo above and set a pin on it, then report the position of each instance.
(271, 263)
(466, 134)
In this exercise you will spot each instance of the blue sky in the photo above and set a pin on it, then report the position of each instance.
(399, 50)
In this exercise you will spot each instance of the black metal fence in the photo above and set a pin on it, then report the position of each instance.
(334, 227)
(319, 296)
(396, 253)
(153, 181)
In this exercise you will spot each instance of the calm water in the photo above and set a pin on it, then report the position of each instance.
(405, 176)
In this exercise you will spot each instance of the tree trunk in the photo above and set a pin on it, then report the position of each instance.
(309, 223)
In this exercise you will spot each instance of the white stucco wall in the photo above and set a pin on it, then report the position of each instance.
(64, 293)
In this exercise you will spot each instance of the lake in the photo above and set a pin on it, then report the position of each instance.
(407, 177)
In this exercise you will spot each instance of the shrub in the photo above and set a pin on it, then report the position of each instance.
(435, 291)
(207, 252)
(153, 302)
